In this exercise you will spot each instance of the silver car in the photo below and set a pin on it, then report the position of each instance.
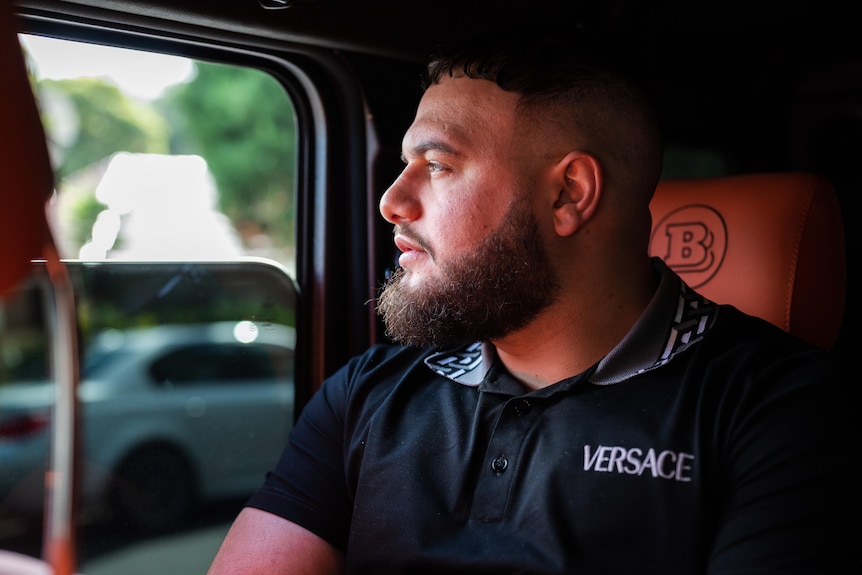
(174, 415)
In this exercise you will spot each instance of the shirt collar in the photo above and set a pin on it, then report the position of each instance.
(676, 318)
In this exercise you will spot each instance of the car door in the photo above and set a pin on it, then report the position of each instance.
(234, 406)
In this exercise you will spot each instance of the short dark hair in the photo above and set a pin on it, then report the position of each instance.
(589, 83)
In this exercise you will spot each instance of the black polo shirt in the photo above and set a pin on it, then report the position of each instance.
(707, 441)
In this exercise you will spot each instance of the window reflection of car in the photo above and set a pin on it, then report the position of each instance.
(172, 416)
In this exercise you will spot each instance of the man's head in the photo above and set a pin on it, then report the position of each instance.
(515, 149)
(569, 84)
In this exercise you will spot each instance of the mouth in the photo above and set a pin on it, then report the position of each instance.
(405, 244)
(413, 251)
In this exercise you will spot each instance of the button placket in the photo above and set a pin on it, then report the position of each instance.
(505, 444)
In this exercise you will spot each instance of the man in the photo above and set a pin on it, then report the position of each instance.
(560, 403)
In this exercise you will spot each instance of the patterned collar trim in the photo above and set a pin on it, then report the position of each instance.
(675, 319)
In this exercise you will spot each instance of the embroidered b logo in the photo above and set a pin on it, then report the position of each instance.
(692, 241)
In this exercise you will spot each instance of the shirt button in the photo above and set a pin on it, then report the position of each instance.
(522, 407)
(499, 464)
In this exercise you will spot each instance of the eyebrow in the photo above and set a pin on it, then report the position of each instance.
(429, 145)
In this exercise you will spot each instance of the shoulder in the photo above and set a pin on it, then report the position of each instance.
(748, 361)
(745, 338)
(372, 373)
(382, 361)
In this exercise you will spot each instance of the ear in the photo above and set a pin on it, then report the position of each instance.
(580, 189)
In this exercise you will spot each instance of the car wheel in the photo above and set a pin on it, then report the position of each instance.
(153, 489)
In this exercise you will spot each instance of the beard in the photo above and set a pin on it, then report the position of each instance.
(494, 290)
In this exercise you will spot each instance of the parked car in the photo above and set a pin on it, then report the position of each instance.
(169, 413)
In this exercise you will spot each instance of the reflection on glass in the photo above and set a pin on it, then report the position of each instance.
(186, 399)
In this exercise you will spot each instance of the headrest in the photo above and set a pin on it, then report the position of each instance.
(770, 244)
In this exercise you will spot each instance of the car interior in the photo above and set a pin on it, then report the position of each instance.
(761, 109)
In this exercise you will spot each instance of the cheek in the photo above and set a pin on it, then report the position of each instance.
(469, 210)
(458, 227)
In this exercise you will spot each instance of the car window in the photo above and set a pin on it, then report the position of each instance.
(165, 157)
(202, 391)
(175, 213)
(97, 362)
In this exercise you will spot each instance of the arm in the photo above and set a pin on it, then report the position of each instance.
(262, 543)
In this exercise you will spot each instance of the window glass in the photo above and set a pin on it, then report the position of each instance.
(174, 209)
(162, 157)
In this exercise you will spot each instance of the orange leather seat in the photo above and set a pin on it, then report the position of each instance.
(770, 244)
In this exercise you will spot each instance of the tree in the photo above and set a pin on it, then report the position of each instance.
(242, 122)
(88, 119)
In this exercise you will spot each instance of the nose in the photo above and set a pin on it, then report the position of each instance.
(399, 204)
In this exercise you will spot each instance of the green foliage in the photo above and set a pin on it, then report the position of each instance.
(85, 211)
(242, 122)
(104, 121)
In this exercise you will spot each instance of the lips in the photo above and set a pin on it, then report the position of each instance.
(405, 244)
(411, 250)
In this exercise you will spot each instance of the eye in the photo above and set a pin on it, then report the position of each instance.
(434, 167)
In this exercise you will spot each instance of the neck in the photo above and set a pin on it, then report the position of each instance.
(575, 332)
